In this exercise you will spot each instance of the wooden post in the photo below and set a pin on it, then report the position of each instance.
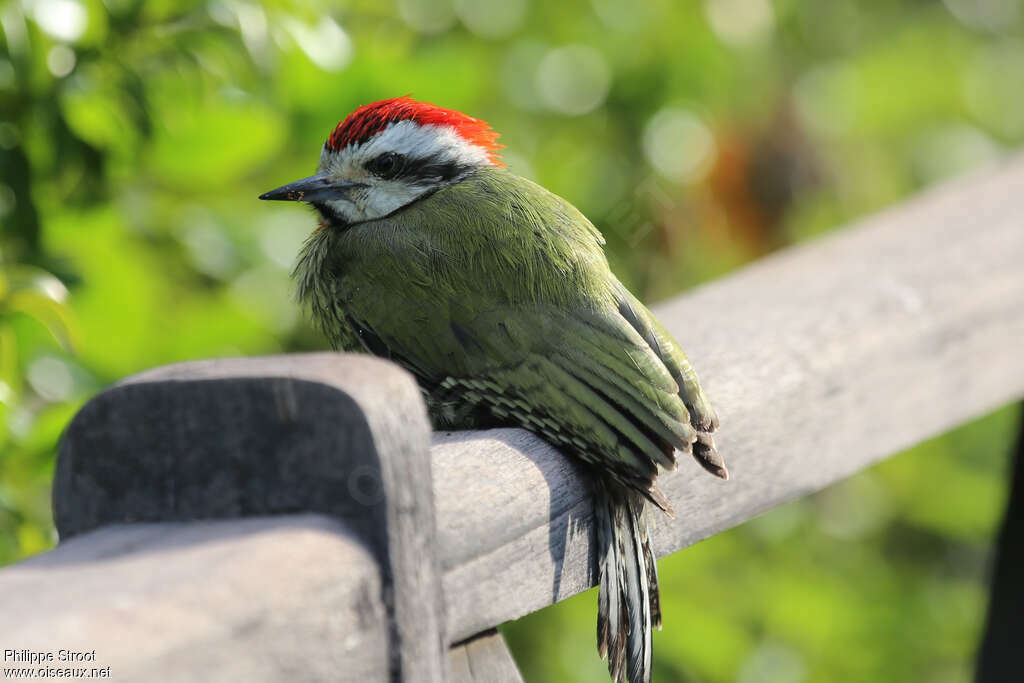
(345, 436)
(483, 659)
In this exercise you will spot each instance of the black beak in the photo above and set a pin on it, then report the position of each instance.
(312, 189)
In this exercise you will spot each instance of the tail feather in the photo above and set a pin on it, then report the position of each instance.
(652, 568)
(628, 604)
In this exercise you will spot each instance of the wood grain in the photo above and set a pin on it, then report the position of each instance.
(483, 659)
(258, 599)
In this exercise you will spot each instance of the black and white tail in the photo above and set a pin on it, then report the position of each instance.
(628, 605)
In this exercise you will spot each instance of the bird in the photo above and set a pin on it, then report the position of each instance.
(497, 296)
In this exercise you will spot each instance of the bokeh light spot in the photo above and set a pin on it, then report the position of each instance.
(948, 150)
(574, 79)
(679, 145)
(990, 15)
(326, 44)
(61, 19)
(427, 16)
(519, 67)
(855, 510)
(992, 88)
(491, 18)
(624, 16)
(60, 60)
(282, 237)
(209, 249)
(741, 22)
(773, 662)
(51, 378)
(823, 98)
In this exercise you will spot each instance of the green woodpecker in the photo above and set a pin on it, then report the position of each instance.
(496, 294)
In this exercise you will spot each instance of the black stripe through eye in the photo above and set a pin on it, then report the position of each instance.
(387, 165)
(431, 169)
(391, 165)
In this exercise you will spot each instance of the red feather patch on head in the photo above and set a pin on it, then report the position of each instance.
(370, 119)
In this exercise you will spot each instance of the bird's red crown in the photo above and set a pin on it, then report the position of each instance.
(370, 119)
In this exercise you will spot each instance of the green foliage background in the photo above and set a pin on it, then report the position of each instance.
(134, 138)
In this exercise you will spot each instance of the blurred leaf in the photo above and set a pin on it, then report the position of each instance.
(208, 147)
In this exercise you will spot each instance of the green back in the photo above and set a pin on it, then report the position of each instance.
(496, 293)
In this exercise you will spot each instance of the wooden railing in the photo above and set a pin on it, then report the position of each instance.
(327, 554)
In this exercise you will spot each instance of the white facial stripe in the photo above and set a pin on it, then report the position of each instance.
(410, 139)
(379, 199)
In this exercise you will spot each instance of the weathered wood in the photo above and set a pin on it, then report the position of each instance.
(821, 360)
(483, 659)
(256, 600)
(345, 436)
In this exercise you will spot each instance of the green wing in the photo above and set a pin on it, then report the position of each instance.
(588, 383)
(702, 415)
(515, 313)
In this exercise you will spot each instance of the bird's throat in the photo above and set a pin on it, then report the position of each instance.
(330, 218)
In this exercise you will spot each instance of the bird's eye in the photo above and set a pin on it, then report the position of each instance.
(386, 165)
